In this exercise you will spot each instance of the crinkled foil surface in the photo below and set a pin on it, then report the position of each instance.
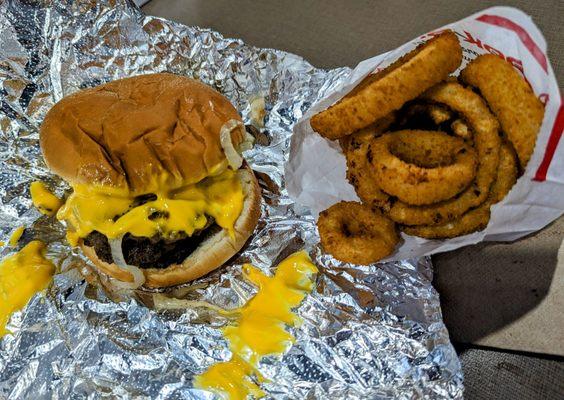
(367, 332)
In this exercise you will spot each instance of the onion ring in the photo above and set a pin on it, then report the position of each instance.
(388, 90)
(426, 116)
(478, 218)
(365, 135)
(422, 167)
(511, 99)
(355, 233)
(439, 114)
(487, 142)
(359, 174)
(432, 116)
(461, 129)
(506, 175)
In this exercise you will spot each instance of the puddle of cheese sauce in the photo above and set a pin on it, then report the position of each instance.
(21, 276)
(16, 235)
(260, 328)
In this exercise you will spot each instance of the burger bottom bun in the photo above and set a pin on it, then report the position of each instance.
(208, 256)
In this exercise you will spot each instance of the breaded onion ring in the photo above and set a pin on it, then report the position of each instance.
(486, 141)
(478, 218)
(359, 173)
(439, 114)
(365, 135)
(511, 99)
(381, 93)
(418, 115)
(461, 129)
(355, 233)
(433, 117)
(506, 173)
(422, 167)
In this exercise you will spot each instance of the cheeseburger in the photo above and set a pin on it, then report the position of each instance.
(161, 194)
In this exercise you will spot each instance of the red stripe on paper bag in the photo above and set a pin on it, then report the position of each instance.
(526, 39)
(551, 146)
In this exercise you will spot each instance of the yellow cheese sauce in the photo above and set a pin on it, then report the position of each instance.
(260, 327)
(45, 201)
(174, 208)
(21, 276)
(15, 236)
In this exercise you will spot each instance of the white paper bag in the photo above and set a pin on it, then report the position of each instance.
(315, 172)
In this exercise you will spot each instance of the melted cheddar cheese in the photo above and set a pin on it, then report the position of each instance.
(16, 236)
(260, 327)
(233, 380)
(45, 201)
(172, 209)
(21, 276)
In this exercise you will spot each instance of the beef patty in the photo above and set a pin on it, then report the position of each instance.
(153, 252)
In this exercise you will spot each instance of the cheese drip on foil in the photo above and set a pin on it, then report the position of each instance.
(170, 209)
(45, 201)
(21, 276)
(260, 327)
(16, 236)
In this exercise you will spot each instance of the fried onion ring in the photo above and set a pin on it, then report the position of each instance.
(359, 173)
(461, 129)
(381, 93)
(422, 167)
(487, 142)
(354, 233)
(365, 135)
(511, 99)
(433, 117)
(478, 218)
(439, 114)
(419, 115)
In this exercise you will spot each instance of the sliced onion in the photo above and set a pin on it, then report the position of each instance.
(258, 111)
(119, 260)
(162, 302)
(234, 159)
(247, 143)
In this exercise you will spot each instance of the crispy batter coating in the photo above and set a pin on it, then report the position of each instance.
(438, 114)
(511, 99)
(477, 218)
(423, 115)
(433, 116)
(381, 93)
(461, 129)
(365, 135)
(359, 172)
(422, 167)
(355, 233)
(487, 143)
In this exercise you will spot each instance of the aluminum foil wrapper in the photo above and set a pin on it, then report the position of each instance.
(367, 332)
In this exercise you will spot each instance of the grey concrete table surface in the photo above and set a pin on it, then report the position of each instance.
(497, 295)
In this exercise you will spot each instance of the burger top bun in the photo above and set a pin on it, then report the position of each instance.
(123, 132)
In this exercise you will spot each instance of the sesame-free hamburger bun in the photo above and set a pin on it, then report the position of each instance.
(123, 134)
